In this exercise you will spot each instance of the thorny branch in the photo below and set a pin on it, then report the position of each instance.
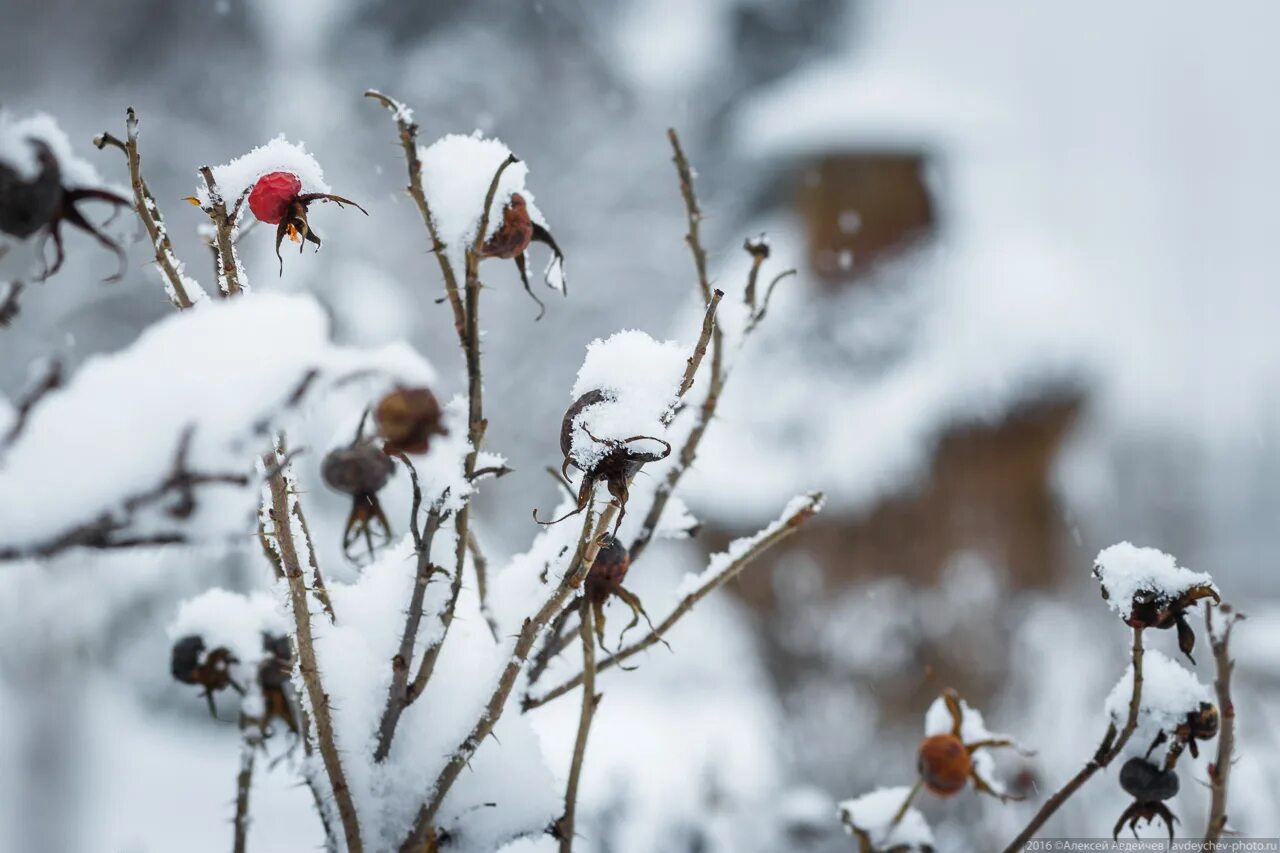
(250, 742)
(305, 652)
(564, 827)
(531, 629)
(149, 212)
(224, 225)
(1107, 751)
(398, 694)
(782, 530)
(693, 238)
(1220, 769)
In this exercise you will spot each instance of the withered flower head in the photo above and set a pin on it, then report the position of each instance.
(190, 665)
(512, 240)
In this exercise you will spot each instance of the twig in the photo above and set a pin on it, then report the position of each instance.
(700, 349)
(1106, 753)
(224, 224)
(149, 212)
(409, 140)
(758, 315)
(1220, 769)
(250, 741)
(778, 531)
(481, 566)
(423, 824)
(318, 588)
(308, 666)
(564, 827)
(693, 238)
(398, 695)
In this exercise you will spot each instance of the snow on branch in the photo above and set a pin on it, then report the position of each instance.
(212, 384)
(875, 820)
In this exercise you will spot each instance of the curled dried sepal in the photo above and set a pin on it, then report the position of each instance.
(615, 466)
(511, 241)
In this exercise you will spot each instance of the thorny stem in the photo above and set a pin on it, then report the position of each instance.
(530, 630)
(1107, 751)
(788, 525)
(318, 588)
(398, 694)
(476, 426)
(250, 740)
(409, 141)
(148, 211)
(308, 667)
(564, 827)
(700, 350)
(1220, 769)
(228, 265)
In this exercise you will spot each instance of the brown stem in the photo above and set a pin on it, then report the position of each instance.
(308, 667)
(700, 349)
(398, 695)
(149, 211)
(781, 530)
(564, 827)
(250, 740)
(228, 263)
(409, 141)
(423, 824)
(1106, 753)
(318, 588)
(1220, 769)
(481, 566)
(693, 238)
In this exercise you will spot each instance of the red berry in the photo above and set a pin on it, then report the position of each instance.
(272, 195)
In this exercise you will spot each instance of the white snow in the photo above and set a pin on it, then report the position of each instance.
(456, 173)
(16, 151)
(1169, 693)
(231, 620)
(278, 155)
(739, 547)
(1124, 570)
(872, 814)
(641, 376)
(229, 370)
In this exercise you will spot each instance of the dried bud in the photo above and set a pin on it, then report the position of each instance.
(758, 248)
(360, 470)
(407, 420)
(944, 764)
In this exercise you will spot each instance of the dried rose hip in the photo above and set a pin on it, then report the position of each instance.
(407, 419)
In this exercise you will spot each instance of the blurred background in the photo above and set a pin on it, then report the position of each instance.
(1034, 315)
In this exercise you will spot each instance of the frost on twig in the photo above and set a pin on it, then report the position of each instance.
(879, 824)
(218, 381)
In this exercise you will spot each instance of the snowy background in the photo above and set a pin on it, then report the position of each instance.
(1105, 180)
